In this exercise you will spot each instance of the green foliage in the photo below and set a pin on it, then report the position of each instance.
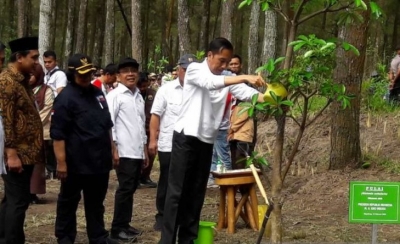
(200, 55)
(159, 65)
(309, 78)
(255, 158)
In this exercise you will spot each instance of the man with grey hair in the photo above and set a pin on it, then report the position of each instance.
(164, 113)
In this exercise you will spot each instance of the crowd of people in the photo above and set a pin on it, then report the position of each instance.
(81, 123)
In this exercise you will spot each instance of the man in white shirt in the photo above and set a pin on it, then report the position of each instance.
(126, 107)
(165, 111)
(55, 78)
(194, 134)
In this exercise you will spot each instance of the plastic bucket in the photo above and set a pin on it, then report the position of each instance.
(205, 235)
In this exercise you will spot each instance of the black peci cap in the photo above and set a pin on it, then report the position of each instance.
(128, 62)
(24, 44)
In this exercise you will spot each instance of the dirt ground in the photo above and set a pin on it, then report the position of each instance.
(315, 209)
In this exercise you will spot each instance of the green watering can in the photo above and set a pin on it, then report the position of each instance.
(206, 233)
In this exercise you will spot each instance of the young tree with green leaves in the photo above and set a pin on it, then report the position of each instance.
(307, 74)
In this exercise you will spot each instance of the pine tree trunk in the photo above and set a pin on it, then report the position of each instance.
(270, 34)
(69, 33)
(277, 182)
(345, 125)
(80, 34)
(205, 25)
(45, 26)
(53, 25)
(395, 40)
(253, 38)
(145, 38)
(98, 39)
(28, 18)
(21, 30)
(183, 27)
(227, 18)
(239, 43)
(108, 48)
(216, 18)
(137, 31)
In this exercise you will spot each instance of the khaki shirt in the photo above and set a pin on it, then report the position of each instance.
(22, 125)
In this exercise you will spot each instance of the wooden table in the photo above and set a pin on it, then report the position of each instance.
(229, 182)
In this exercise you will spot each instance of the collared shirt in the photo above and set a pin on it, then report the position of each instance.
(81, 119)
(167, 105)
(55, 80)
(127, 113)
(204, 102)
(22, 125)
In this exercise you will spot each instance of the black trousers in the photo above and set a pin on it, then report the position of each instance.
(164, 158)
(14, 205)
(51, 164)
(187, 184)
(128, 173)
(94, 189)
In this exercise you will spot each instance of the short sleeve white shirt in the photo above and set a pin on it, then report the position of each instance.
(167, 104)
(57, 80)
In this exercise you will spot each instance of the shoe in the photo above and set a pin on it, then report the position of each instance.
(35, 199)
(133, 231)
(147, 183)
(123, 236)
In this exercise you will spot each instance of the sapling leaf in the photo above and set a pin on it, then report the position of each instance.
(251, 112)
(245, 104)
(244, 110)
(254, 99)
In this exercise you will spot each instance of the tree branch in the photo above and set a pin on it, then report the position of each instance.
(294, 119)
(319, 113)
(279, 10)
(299, 10)
(325, 10)
(298, 140)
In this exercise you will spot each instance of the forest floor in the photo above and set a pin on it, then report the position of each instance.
(315, 209)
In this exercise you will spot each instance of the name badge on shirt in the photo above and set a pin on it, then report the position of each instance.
(101, 99)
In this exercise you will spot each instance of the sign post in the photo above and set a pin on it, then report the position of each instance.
(374, 203)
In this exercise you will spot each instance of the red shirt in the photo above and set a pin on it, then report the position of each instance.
(98, 83)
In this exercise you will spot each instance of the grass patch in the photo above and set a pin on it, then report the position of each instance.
(373, 94)
(392, 166)
(299, 235)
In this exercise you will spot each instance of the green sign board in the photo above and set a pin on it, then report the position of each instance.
(374, 202)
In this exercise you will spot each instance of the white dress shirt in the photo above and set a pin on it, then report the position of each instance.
(57, 80)
(204, 102)
(127, 114)
(167, 105)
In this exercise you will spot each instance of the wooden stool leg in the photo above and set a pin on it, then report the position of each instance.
(240, 205)
(254, 203)
(231, 209)
(252, 222)
(222, 203)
